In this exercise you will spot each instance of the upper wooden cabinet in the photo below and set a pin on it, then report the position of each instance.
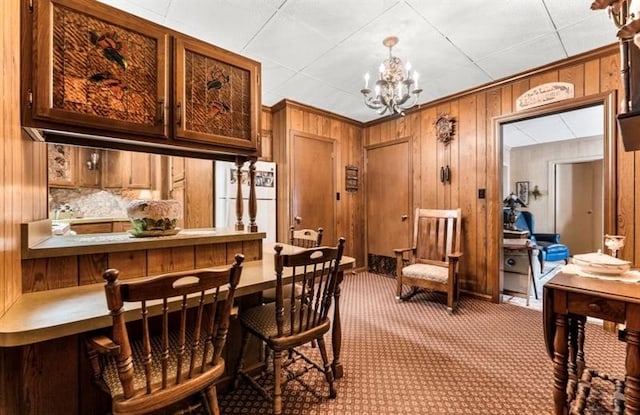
(98, 70)
(95, 75)
(216, 95)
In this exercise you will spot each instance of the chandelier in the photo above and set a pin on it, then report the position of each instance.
(395, 85)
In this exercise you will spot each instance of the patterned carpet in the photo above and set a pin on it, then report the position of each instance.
(413, 358)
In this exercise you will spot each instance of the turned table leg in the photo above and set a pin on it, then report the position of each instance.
(632, 363)
(560, 373)
(336, 331)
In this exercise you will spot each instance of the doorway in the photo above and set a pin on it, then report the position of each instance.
(608, 103)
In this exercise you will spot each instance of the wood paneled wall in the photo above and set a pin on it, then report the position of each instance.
(23, 189)
(474, 159)
(288, 116)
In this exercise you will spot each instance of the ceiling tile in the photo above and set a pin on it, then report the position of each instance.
(534, 53)
(228, 24)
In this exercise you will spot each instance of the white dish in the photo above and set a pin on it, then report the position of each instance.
(598, 263)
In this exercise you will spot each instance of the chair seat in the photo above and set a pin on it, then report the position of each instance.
(555, 252)
(261, 321)
(269, 296)
(110, 369)
(427, 272)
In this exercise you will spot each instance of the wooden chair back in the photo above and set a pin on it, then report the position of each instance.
(184, 357)
(316, 270)
(436, 234)
(305, 238)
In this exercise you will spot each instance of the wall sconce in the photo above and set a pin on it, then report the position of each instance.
(92, 163)
(536, 193)
(445, 174)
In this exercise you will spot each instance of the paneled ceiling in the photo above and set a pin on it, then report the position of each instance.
(569, 125)
(317, 51)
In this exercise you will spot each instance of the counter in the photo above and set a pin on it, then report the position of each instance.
(37, 241)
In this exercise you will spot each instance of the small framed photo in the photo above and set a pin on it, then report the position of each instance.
(522, 190)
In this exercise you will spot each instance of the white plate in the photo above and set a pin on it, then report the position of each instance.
(598, 263)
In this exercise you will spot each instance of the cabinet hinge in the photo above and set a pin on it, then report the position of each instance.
(30, 98)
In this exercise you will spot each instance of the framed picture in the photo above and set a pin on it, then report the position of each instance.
(522, 190)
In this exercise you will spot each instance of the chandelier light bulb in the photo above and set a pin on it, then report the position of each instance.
(366, 80)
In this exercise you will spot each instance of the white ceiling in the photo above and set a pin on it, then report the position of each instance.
(569, 125)
(317, 51)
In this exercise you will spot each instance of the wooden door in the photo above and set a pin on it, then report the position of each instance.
(578, 200)
(95, 66)
(388, 197)
(313, 194)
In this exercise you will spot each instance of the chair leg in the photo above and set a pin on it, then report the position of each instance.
(243, 351)
(211, 401)
(328, 373)
(398, 288)
(277, 382)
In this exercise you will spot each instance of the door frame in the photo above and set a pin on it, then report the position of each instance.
(409, 141)
(494, 221)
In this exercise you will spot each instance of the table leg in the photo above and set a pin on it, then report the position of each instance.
(336, 331)
(560, 374)
(632, 367)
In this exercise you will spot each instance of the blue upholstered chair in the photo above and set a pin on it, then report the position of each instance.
(549, 246)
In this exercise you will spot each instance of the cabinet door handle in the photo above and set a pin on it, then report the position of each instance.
(447, 174)
(404, 217)
(441, 174)
(179, 113)
(160, 111)
(298, 219)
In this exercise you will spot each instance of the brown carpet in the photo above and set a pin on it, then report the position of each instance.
(414, 358)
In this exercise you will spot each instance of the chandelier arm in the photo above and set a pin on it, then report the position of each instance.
(369, 102)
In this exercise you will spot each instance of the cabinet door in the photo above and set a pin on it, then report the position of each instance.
(139, 170)
(88, 167)
(112, 169)
(62, 162)
(95, 66)
(217, 95)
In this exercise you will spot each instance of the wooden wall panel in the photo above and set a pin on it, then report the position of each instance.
(163, 260)
(210, 255)
(476, 161)
(131, 264)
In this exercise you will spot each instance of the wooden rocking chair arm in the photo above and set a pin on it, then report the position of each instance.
(400, 251)
(455, 255)
(104, 345)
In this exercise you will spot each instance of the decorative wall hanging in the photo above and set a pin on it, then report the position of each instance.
(444, 128)
(351, 178)
(545, 94)
(522, 191)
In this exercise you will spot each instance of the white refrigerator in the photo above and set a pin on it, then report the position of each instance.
(225, 196)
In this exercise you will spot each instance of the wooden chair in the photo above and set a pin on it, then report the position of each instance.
(305, 238)
(184, 358)
(432, 262)
(294, 320)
